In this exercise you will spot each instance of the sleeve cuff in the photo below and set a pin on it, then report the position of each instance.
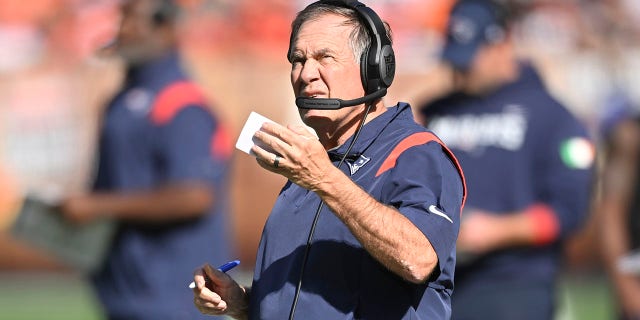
(546, 226)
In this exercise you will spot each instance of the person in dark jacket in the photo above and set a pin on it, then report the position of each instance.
(528, 164)
(162, 172)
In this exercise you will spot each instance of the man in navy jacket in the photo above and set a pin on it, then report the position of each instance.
(162, 175)
(384, 240)
(528, 165)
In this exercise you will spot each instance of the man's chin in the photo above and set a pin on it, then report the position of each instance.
(313, 117)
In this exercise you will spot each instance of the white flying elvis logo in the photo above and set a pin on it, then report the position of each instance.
(356, 165)
(433, 209)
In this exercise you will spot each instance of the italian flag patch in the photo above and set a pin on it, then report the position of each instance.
(577, 153)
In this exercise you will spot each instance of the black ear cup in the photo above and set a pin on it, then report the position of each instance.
(363, 69)
(378, 65)
(378, 76)
(387, 65)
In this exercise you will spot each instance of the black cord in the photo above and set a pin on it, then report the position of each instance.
(307, 249)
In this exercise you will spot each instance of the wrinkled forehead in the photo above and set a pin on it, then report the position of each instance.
(327, 27)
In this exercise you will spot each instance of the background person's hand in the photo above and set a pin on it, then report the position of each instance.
(216, 293)
(77, 210)
(479, 233)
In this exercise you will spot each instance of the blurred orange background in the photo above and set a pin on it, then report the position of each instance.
(55, 79)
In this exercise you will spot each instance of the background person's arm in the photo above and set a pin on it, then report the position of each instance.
(619, 175)
(562, 183)
(163, 204)
(482, 232)
(193, 165)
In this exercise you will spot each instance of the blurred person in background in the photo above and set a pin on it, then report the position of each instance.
(46, 139)
(619, 206)
(528, 164)
(163, 158)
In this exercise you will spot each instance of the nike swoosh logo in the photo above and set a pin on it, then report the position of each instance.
(433, 209)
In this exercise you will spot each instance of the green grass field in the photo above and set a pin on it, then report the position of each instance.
(68, 297)
(585, 297)
(46, 297)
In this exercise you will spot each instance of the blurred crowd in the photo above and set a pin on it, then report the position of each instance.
(57, 72)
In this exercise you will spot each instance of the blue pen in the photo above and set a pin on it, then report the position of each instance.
(224, 268)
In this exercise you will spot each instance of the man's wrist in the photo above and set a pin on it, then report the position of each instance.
(332, 178)
(241, 311)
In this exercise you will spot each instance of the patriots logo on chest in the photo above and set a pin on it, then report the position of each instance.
(357, 164)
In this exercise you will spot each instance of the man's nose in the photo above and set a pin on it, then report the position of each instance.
(310, 71)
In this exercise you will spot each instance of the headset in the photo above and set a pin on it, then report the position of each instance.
(377, 63)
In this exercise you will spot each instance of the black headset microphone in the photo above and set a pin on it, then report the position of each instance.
(334, 104)
(377, 70)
